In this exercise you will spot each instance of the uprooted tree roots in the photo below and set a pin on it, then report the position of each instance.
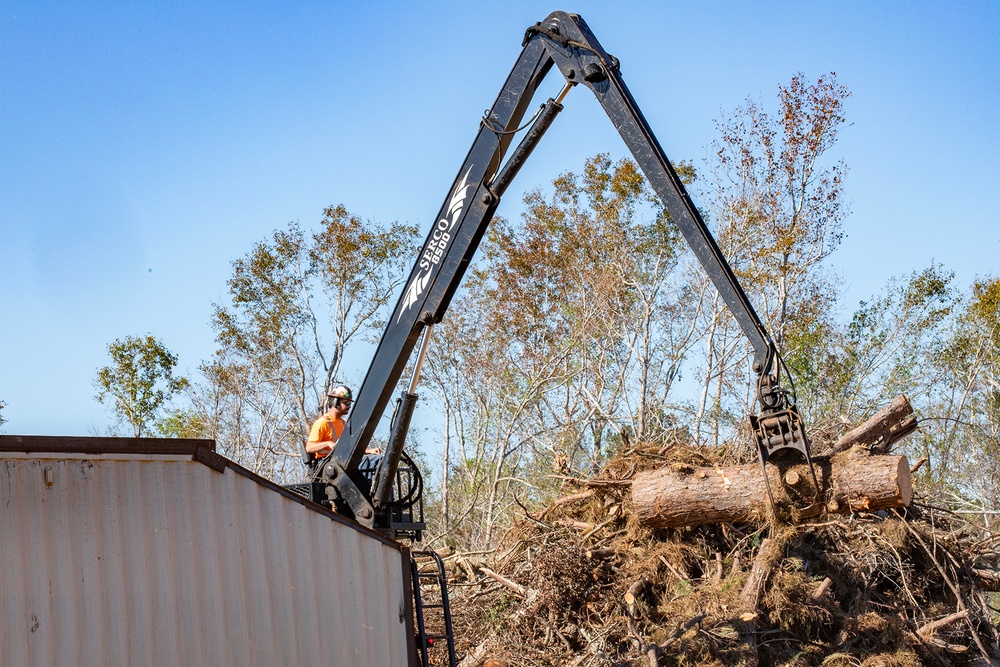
(581, 583)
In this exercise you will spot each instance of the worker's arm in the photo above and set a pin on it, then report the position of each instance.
(322, 447)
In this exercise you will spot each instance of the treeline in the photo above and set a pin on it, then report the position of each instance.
(586, 325)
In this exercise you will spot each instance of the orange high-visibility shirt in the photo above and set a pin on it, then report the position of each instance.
(326, 429)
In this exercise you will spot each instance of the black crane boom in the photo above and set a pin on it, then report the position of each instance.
(565, 42)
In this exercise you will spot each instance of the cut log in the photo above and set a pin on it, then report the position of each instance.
(687, 496)
(520, 590)
(887, 425)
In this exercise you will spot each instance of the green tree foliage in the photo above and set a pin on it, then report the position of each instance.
(960, 402)
(295, 302)
(181, 423)
(3, 405)
(138, 382)
(922, 337)
(583, 281)
(849, 371)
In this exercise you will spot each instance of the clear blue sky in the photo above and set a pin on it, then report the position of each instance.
(144, 146)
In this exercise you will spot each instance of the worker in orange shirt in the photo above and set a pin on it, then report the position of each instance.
(327, 429)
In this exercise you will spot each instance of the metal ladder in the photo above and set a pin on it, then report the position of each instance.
(434, 586)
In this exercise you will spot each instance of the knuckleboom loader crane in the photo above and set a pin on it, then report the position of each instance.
(564, 42)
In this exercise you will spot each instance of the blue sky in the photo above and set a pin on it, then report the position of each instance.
(144, 146)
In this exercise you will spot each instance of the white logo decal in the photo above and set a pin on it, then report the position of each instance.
(436, 244)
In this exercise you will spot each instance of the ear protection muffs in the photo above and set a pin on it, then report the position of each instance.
(339, 395)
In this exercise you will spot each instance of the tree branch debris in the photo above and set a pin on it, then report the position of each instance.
(594, 587)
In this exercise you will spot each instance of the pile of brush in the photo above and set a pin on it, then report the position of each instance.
(584, 582)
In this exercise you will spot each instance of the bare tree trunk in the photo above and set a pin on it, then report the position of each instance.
(644, 361)
(445, 470)
(709, 355)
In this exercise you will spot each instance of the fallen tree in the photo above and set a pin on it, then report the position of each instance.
(682, 495)
(896, 420)
(849, 480)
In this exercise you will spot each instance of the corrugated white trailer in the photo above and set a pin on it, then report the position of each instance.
(161, 552)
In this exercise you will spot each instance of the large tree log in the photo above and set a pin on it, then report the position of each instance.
(685, 496)
(885, 427)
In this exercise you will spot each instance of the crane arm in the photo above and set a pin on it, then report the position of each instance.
(565, 42)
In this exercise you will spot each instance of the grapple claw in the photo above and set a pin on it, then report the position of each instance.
(777, 431)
